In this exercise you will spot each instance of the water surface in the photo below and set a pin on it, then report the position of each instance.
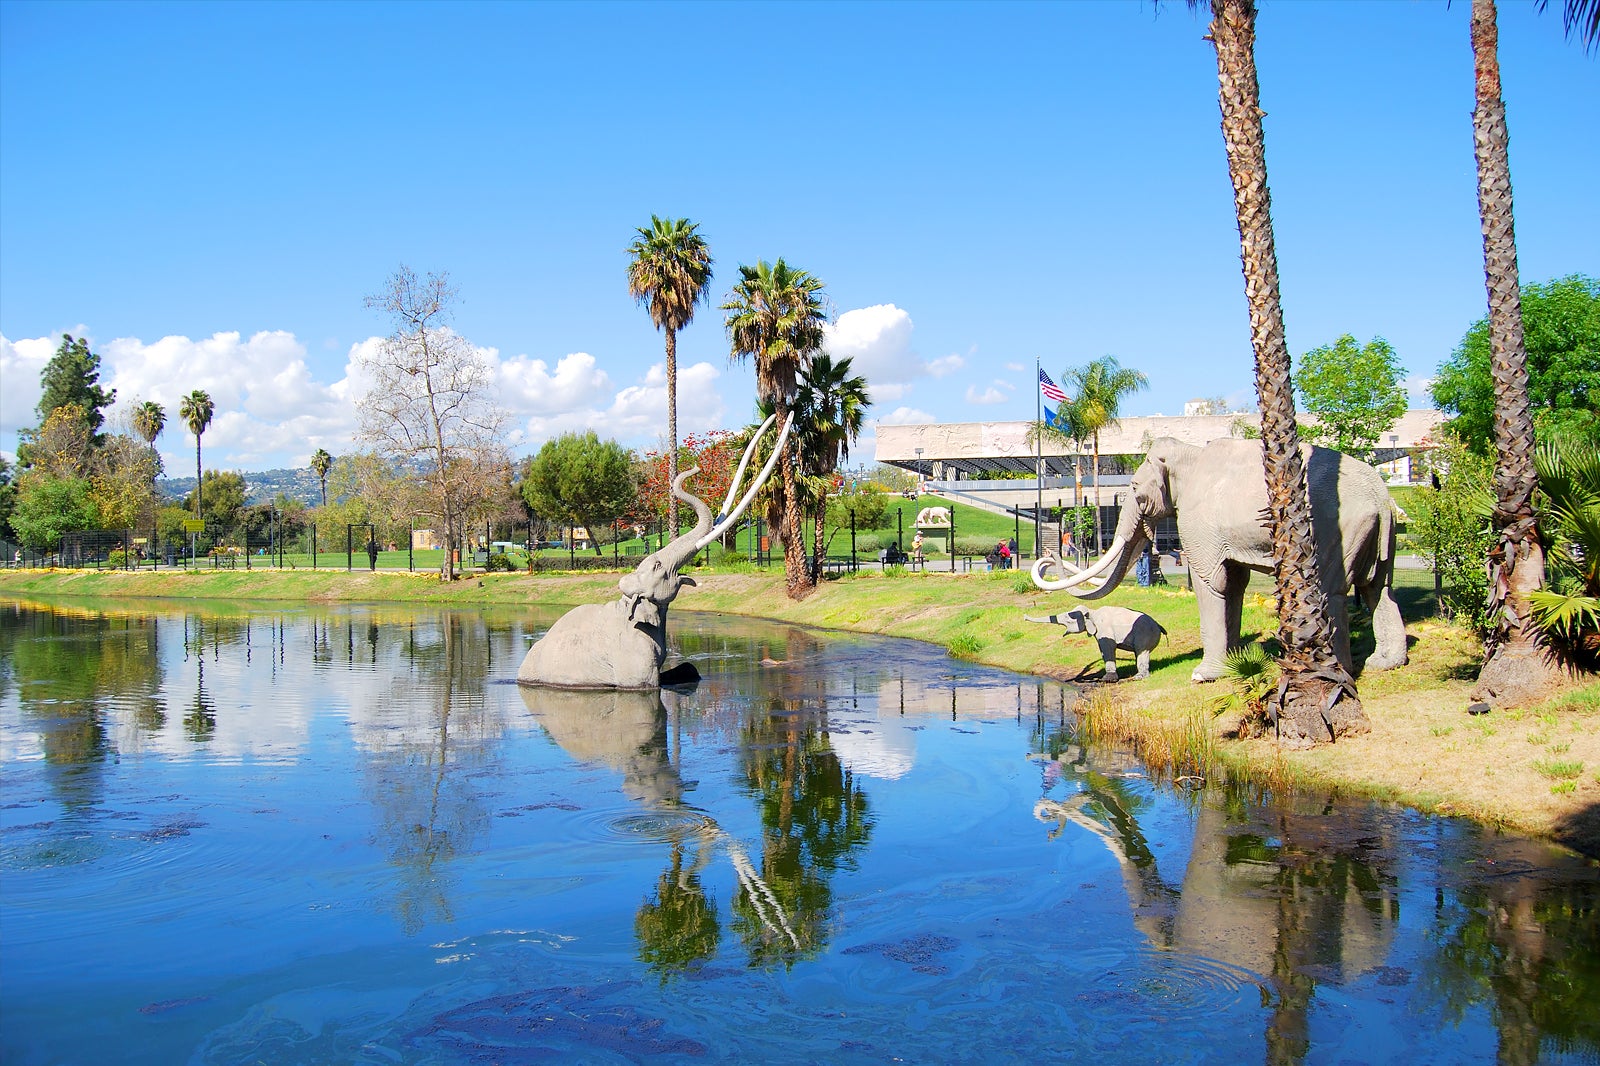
(341, 836)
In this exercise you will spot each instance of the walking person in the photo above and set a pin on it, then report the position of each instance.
(372, 552)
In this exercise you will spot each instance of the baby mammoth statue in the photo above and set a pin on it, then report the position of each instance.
(1113, 628)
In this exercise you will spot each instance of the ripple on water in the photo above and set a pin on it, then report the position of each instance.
(1163, 989)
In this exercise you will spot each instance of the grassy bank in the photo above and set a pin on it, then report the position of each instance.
(1536, 770)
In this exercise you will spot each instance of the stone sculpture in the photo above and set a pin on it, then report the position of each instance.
(1113, 628)
(622, 644)
(1218, 493)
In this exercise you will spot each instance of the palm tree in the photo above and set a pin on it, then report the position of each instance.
(830, 409)
(196, 410)
(775, 318)
(149, 419)
(321, 463)
(668, 274)
(1515, 668)
(1068, 428)
(1317, 700)
(1099, 386)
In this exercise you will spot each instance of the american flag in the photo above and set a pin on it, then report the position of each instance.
(1051, 390)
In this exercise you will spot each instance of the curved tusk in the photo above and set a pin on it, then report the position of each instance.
(738, 475)
(1076, 578)
(761, 479)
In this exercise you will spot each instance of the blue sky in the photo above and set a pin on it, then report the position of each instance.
(209, 191)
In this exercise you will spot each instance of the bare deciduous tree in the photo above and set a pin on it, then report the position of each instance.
(430, 406)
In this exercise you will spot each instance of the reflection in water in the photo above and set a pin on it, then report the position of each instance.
(350, 803)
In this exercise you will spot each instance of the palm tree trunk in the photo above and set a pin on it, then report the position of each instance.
(1317, 700)
(817, 534)
(672, 427)
(197, 478)
(1096, 469)
(1514, 669)
(795, 576)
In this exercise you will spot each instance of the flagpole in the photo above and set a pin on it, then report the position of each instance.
(1038, 466)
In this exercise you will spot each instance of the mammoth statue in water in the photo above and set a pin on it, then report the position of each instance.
(1219, 495)
(621, 644)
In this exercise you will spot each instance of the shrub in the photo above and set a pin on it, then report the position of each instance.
(499, 562)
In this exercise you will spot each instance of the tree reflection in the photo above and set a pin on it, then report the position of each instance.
(677, 925)
(1519, 932)
(814, 815)
(425, 734)
(69, 668)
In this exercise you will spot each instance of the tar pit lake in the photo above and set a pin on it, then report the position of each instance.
(344, 836)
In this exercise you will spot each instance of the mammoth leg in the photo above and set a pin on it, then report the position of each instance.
(1108, 652)
(1339, 621)
(1215, 610)
(1388, 629)
(1238, 579)
(1142, 657)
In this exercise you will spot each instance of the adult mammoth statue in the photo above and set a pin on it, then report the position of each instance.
(621, 644)
(1219, 494)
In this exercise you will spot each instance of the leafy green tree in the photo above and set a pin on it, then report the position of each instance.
(8, 500)
(1561, 330)
(321, 463)
(72, 376)
(579, 477)
(668, 273)
(196, 410)
(1354, 390)
(48, 506)
(219, 500)
(775, 319)
(1450, 527)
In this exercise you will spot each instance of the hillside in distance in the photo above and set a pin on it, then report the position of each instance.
(262, 486)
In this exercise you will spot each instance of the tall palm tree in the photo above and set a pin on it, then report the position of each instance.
(1317, 700)
(196, 410)
(830, 409)
(669, 273)
(1515, 667)
(1068, 428)
(321, 463)
(1099, 386)
(149, 419)
(775, 318)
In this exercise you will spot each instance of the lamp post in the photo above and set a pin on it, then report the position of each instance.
(1394, 458)
(919, 471)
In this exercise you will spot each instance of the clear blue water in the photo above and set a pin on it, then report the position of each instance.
(341, 836)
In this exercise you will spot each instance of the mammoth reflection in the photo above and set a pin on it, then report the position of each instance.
(1305, 892)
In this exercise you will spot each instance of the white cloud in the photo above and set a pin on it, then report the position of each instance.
(529, 385)
(273, 411)
(906, 416)
(878, 340)
(1015, 368)
(989, 395)
(21, 363)
(637, 415)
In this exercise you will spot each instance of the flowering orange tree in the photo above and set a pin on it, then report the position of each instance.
(716, 453)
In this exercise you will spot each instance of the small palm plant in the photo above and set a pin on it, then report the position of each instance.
(1568, 610)
(1251, 674)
